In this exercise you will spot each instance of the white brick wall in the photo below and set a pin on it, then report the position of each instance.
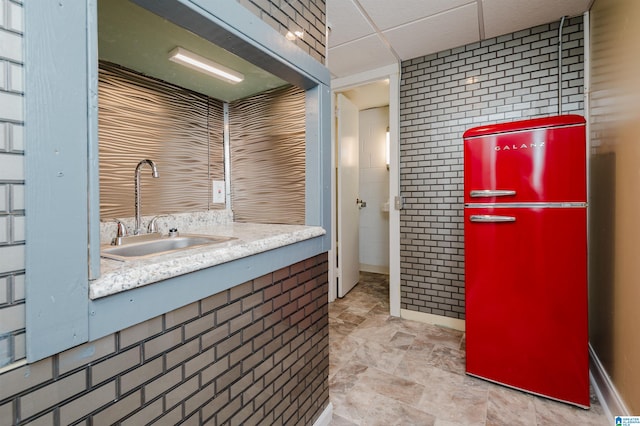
(12, 228)
(501, 79)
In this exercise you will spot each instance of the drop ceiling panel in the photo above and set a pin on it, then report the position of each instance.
(361, 55)
(433, 34)
(387, 14)
(506, 16)
(347, 23)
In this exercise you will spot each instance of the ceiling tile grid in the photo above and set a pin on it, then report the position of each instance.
(369, 34)
(391, 14)
(346, 23)
(453, 28)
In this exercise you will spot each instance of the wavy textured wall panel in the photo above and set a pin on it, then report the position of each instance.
(216, 145)
(268, 157)
(181, 131)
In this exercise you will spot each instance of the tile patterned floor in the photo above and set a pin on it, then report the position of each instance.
(390, 371)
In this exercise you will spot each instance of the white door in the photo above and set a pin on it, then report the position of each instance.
(348, 183)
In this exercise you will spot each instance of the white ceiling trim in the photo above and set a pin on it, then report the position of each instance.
(365, 77)
(480, 20)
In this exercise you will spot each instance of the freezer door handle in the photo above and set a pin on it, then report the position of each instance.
(492, 193)
(489, 218)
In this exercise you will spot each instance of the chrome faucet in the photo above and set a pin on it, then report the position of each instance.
(154, 173)
(121, 232)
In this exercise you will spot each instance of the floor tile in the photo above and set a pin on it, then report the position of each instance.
(453, 398)
(341, 421)
(447, 359)
(393, 387)
(385, 411)
(390, 371)
(384, 357)
(509, 407)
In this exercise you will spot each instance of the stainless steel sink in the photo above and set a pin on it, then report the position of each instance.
(162, 245)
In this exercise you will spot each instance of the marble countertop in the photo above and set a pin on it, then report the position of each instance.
(250, 238)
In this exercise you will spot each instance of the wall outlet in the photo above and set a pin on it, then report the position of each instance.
(218, 192)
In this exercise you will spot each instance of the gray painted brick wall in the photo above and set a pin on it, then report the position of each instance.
(12, 316)
(506, 78)
(256, 354)
(295, 15)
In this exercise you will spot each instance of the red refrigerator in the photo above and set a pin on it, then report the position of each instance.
(526, 256)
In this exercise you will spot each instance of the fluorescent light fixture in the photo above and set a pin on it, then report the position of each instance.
(207, 66)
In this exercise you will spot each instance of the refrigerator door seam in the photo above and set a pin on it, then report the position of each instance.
(526, 205)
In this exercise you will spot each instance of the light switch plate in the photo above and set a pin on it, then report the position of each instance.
(218, 192)
(398, 202)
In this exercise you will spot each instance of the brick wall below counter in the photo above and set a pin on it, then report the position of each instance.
(254, 354)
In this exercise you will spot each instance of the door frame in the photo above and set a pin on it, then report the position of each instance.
(391, 72)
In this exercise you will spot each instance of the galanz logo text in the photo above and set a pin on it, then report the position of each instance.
(515, 147)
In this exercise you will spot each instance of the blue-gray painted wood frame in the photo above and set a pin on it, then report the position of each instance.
(56, 156)
(93, 172)
(62, 184)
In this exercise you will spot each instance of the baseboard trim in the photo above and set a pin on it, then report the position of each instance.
(455, 323)
(606, 392)
(325, 417)
(376, 269)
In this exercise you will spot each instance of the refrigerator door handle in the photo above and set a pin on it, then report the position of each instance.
(492, 193)
(489, 218)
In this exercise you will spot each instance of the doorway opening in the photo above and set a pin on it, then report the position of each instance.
(362, 155)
